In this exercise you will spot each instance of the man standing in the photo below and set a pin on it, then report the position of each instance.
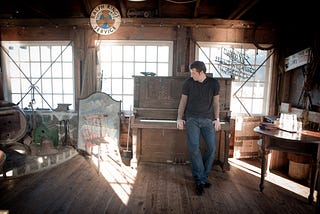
(199, 112)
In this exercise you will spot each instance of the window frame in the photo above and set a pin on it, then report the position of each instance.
(234, 89)
(124, 43)
(43, 103)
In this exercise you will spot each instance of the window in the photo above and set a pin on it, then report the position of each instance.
(250, 69)
(39, 73)
(121, 60)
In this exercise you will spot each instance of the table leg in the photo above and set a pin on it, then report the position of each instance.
(134, 159)
(226, 165)
(264, 161)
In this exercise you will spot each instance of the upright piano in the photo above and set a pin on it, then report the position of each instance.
(155, 137)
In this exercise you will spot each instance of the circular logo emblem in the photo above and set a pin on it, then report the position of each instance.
(105, 19)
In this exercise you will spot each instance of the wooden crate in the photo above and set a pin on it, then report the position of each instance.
(246, 140)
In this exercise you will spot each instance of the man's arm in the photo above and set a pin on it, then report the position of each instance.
(182, 106)
(216, 107)
(181, 109)
(216, 112)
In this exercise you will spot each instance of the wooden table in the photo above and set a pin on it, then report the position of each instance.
(304, 142)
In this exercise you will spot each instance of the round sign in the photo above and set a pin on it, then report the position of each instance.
(105, 19)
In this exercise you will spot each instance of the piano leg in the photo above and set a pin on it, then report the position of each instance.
(134, 159)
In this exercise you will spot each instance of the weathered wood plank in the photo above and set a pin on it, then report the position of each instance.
(76, 187)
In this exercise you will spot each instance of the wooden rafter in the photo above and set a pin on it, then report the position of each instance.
(195, 14)
(244, 6)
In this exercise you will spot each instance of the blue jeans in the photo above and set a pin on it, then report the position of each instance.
(201, 166)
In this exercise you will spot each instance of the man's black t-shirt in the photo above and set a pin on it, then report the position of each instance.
(200, 97)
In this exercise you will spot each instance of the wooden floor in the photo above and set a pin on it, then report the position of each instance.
(76, 187)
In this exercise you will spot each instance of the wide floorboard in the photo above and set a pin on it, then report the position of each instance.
(76, 187)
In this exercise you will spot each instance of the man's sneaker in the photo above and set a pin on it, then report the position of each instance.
(199, 189)
(207, 185)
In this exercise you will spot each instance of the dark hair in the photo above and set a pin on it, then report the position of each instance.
(199, 66)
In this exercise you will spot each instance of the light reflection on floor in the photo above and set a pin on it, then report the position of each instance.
(273, 178)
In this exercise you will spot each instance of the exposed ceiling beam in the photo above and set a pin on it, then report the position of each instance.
(123, 8)
(244, 6)
(195, 14)
(164, 22)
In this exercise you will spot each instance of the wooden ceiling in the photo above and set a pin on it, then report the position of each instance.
(270, 11)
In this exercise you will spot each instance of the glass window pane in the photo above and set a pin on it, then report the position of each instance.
(247, 105)
(48, 98)
(25, 85)
(163, 69)
(46, 70)
(106, 69)
(68, 86)
(57, 100)
(116, 53)
(203, 53)
(47, 87)
(67, 54)
(56, 53)
(116, 86)
(128, 89)
(116, 69)
(34, 53)
(128, 52)
(250, 55)
(260, 74)
(25, 68)
(140, 53)
(23, 54)
(57, 86)
(14, 70)
(128, 70)
(258, 106)
(67, 70)
(258, 90)
(56, 70)
(35, 70)
(16, 98)
(163, 54)
(15, 86)
(13, 51)
(139, 67)
(45, 53)
(151, 67)
(151, 54)
(127, 102)
(69, 100)
(247, 90)
(106, 86)
(261, 56)
(105, 53)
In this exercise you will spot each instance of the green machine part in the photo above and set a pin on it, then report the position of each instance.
(42, 132)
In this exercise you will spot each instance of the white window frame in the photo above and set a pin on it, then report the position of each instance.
(204, 52)
(127, 104)
(45, 97)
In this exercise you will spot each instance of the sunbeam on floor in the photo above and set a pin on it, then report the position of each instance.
(273, 178)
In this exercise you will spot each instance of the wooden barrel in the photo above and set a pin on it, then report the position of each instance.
(13, 124)
(299, 166)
